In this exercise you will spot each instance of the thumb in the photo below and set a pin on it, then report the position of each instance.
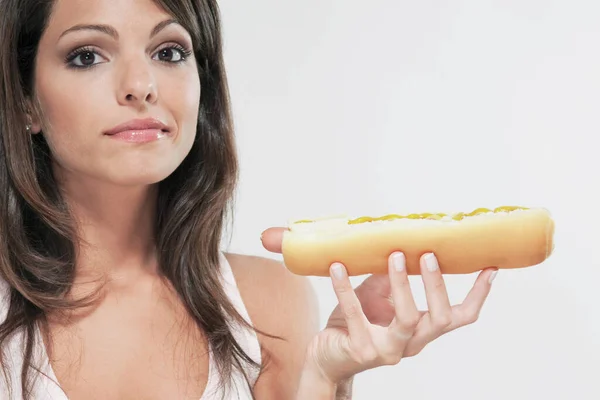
(378, 284)
(272, 238)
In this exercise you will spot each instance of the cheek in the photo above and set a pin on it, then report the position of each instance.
(183, 100)
(68, 118)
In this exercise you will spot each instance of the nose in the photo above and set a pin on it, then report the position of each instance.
(138, 85)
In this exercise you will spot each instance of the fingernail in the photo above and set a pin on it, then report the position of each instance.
(399, 261)
(431, 262)
(338, 271)
(493, 276)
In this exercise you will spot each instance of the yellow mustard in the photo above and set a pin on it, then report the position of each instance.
(430, 216)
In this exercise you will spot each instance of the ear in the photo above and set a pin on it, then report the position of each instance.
(33, 120)
(35, 128)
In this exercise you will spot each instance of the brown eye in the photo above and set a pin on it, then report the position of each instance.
(168, 54)
(83, 58)
(173, 54)
(87, 58)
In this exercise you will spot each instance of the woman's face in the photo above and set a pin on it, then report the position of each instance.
(103, 63)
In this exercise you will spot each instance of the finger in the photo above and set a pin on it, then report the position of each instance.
(272, 239)
(468, 312)
(462, 314)
(439, 316)
(358, 324)
(440, 310)
(407, 315)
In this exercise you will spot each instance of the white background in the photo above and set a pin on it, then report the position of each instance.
(370, 107)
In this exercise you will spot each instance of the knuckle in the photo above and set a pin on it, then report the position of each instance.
(403, 282)
(368, 355)
(412, 351)
(344, 288)
(414, 320)
(468, 316)
(352, 310)
(471, 318)
(409, 323)
(442, 321)
(392, 358)
(439, 283)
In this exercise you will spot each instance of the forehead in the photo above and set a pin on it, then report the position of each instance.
(122, 14)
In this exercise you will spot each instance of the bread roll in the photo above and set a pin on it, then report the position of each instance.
(505, 238)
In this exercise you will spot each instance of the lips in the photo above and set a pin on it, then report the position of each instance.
(138, 125)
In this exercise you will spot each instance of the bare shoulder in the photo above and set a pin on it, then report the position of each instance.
(282, 304)
(269, 289)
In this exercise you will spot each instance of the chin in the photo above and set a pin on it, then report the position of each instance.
(139, 168)
(145, 179)
(151, 173)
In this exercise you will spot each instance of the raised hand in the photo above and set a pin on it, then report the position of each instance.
(378, 323)
(370, 328)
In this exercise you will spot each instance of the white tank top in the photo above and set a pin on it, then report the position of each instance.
(46, 388)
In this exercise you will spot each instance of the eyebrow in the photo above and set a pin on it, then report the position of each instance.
(110, 31)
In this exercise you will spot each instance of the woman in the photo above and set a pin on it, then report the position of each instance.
(117, 170)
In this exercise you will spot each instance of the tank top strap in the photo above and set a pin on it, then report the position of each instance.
(246, 338)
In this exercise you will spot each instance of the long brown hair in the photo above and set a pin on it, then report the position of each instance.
(37, 233)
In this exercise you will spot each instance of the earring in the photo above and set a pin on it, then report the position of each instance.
(28, 128)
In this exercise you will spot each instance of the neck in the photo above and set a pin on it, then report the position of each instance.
(116, 228)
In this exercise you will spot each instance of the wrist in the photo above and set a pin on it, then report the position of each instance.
(313, 385)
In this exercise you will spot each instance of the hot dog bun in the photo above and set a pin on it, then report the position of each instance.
(506, 237)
